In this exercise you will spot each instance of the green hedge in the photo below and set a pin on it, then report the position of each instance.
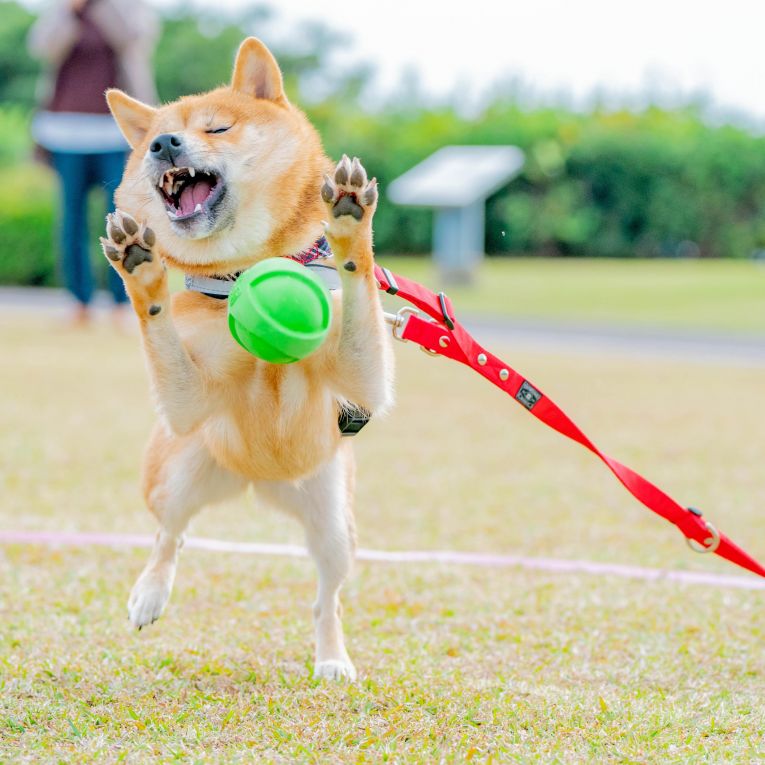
(26, 226)
(28, 223)
(654, 184)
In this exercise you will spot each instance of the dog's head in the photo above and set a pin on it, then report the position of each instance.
(227, 177)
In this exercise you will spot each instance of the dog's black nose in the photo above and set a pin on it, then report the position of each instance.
(166, 146)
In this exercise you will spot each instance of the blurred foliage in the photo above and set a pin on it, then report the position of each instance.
(616, 184)
(26, 226)
(652, 184)
(196, 52)
(18, 71)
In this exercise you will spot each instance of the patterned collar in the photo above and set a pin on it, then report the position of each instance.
(220, 286)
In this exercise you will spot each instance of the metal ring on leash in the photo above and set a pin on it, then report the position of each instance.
(398, 321)
(710, 543)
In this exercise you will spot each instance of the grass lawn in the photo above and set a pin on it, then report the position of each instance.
(456, 663)
(721, 295)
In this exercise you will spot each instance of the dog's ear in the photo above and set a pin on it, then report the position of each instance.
(256, 72)
(132, 117)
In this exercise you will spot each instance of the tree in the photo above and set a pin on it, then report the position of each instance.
(196, 53)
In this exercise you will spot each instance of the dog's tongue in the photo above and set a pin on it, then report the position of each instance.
(192, 195)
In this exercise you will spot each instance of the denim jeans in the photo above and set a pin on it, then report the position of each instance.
(79, 173)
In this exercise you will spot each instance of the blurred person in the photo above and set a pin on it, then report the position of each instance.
(89, 46)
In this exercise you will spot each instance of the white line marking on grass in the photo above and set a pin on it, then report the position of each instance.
(451, 557)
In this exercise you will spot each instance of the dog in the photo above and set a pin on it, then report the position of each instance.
(214, 184)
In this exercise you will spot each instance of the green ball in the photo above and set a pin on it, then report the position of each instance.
(279, 311)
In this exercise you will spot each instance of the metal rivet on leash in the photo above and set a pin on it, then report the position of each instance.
(503, 374)
(443, 341)
(482, 358)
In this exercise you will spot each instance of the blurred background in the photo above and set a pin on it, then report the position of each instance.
(641, 128)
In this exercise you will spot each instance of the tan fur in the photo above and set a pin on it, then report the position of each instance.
(227, 419)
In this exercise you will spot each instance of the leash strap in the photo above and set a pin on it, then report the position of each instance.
(443, 335)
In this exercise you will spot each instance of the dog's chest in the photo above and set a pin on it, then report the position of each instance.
(275, 423)
(267, 421)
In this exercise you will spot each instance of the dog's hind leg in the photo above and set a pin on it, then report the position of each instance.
(180, 477)
(323, 504)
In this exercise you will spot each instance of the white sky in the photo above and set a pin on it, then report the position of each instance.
(564, 48)
(558, 49)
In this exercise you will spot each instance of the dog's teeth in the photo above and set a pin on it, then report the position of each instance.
(198, 208)
(192, 172)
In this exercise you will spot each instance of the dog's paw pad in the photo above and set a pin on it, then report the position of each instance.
(128, 243)
(129, 224)
(338, 670)
(134, 256)
(347, 205)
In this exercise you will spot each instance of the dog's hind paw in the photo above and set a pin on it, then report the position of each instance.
(339, 670)
(148, 599)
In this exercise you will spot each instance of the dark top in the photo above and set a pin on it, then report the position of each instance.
(88, 70)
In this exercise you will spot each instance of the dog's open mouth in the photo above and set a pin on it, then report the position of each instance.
(188, 192)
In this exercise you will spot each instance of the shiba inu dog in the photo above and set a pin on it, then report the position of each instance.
(215, 183)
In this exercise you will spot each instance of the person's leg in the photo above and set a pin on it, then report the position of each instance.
(73, 237)
(110, 167)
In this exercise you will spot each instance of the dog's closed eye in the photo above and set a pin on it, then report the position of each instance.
(214, 131)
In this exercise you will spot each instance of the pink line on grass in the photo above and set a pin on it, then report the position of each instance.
(550, 565)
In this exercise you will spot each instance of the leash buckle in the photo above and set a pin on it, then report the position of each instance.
(710, 543)
(398, 321)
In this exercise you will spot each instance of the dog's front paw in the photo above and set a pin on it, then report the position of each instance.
(128, 244)
(351, 200)
(131, 249)
(339, 670)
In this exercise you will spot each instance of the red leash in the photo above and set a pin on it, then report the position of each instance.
(445, 336)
